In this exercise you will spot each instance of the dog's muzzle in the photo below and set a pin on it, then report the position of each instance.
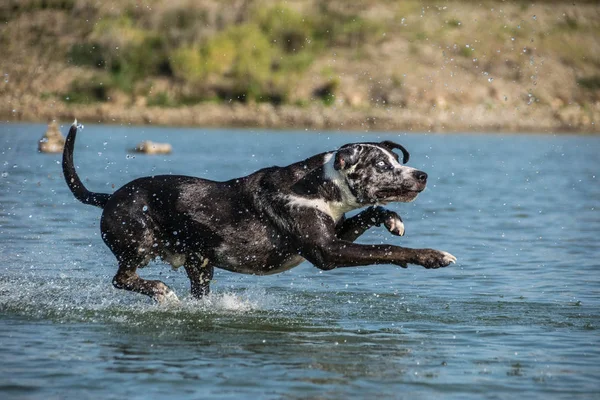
(408, 190)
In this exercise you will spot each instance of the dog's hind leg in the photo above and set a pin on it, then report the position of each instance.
(129, 235)
(352, 228)
(128, 279)
(200, 274)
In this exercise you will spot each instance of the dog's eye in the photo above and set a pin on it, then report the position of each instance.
(382, 165)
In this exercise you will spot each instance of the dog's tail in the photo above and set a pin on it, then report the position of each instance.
(73, 181)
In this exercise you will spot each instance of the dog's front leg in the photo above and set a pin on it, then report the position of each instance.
(352, 228)
(338, 253)
(200, 275)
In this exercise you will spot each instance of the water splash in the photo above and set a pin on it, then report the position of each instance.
(68, 299)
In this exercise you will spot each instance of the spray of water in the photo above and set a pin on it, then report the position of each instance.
(68, 299)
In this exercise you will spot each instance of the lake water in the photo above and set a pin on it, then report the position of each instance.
(518, 315)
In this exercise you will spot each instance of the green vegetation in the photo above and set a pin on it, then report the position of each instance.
(86, 92)
(241, 62)
(355, 55)
(160, 99)
(327, 92)
(590, 82)
(12, 8)
(256, 60)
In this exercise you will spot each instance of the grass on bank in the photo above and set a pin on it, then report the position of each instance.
(265, 51)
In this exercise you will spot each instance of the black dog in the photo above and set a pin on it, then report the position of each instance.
(263, 223)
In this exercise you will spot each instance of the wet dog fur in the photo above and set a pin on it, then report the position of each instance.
(263, 223)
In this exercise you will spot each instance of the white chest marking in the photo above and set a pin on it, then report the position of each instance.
(335, 209)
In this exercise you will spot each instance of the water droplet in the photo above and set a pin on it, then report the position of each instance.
(4, 174)
(145, 208)
(534, 18)
(490, 79)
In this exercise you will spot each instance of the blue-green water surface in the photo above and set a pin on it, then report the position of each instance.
(518, 315)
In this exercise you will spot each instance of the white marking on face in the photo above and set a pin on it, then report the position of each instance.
(389, 154)
(406, 173)
(393, 162)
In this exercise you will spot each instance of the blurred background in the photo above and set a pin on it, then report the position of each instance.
(316, 64)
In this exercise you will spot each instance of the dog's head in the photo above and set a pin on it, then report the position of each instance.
(374, 174)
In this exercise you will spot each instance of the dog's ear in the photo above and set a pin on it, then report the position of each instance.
(388, 144)
(345, 157)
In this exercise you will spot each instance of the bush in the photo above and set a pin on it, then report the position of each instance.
(218, 55)
(86, 92)
(160, 99)
(239, 59)
(327, 92)
(590, 82)
(187, 64)
(335, 28)
(286, 28)
(147, 58)
(87, 54)
(253, 54)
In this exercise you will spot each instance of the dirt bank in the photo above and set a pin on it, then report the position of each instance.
(375, 65)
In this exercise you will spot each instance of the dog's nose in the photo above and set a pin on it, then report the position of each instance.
(421, 176)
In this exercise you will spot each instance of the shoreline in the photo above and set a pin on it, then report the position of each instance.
(464, 119)
(330, 65)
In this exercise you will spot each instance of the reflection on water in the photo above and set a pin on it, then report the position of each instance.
(517, 314)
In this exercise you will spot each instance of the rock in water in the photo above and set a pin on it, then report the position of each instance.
(149, 147)
(53, 141)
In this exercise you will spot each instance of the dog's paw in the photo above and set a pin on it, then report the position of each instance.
(394, 224)
(447, 259)
(429, 258)
(164, 295)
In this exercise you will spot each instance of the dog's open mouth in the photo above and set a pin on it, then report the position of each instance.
(393, 193)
